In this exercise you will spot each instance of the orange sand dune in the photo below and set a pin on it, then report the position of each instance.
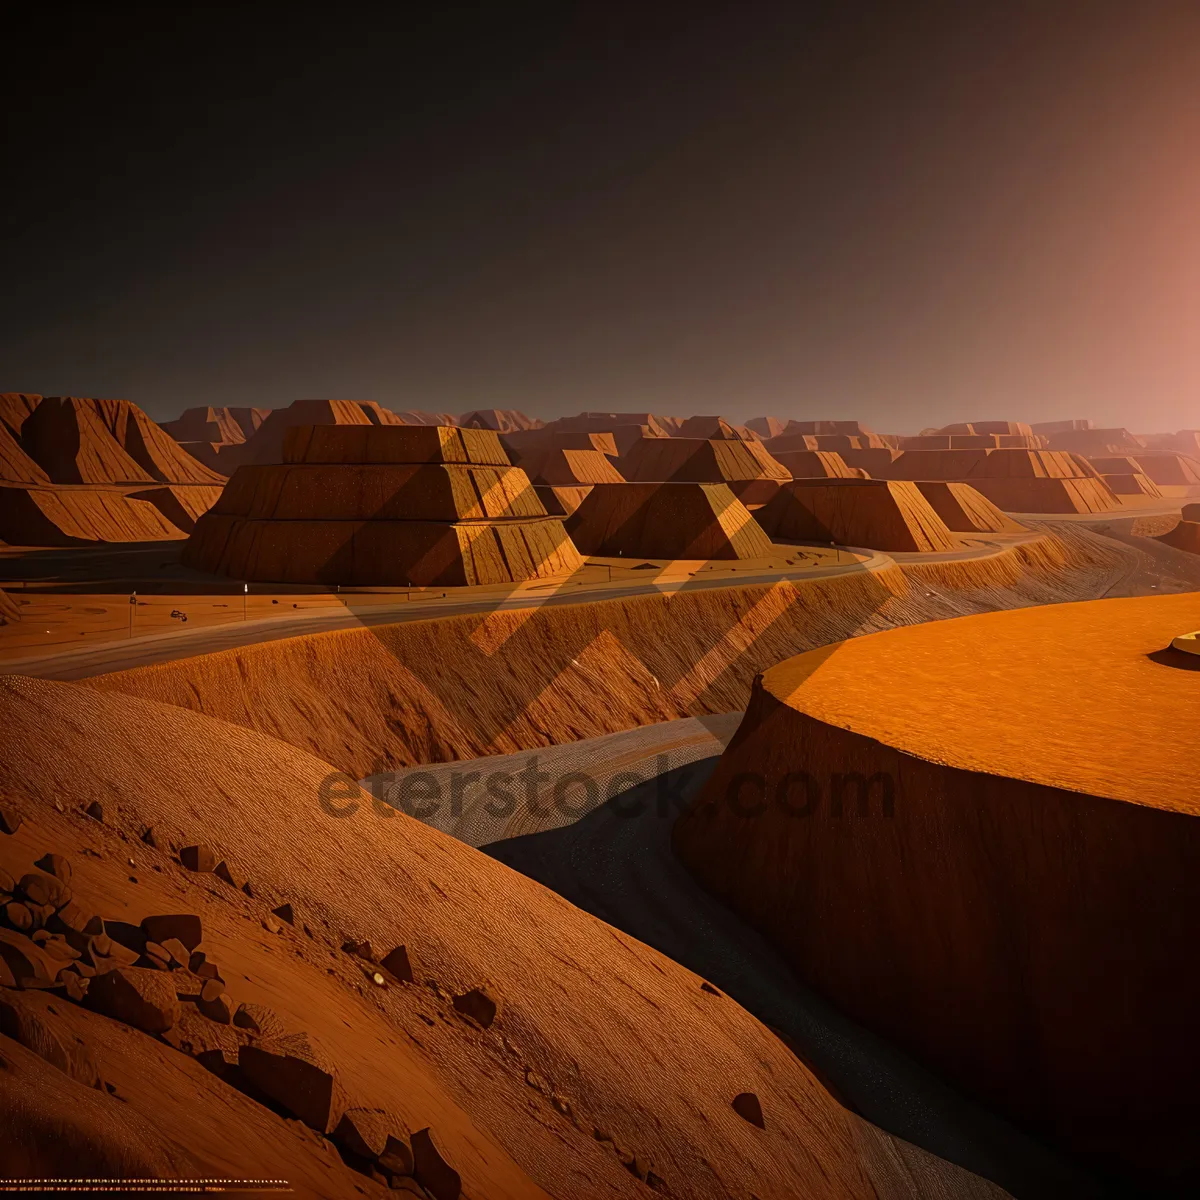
(1016, 897)
(546, 1092)
(874, 513)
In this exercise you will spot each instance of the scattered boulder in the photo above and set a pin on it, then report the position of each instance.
(150, 837)
(132, 937)
(477, 1005)
(56, 865)
(156, 956)
(271, 925)
(76, 986)
(145, 999)
(747, 1106)
(431, 1170)
(285, 913)
(42, 890)
(184, 927)
(298, 1076)
(26, 963)
(10, 819)
(361, 950)
(95, 810)
(378, 1137)
(18, 916)
(214, 1046)
(73, 919)
(214, 1003)
(225, 872)
(198, 858)
(178, 952)
(202, 966)
(398, 965)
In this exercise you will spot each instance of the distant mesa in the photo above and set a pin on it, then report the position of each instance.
(1046, 428)
(971, 428)
(79, 471)
(206, 433)
(747, 468)
(872, 513)
(715, 428)
(1124, 476)
(980, 839)
(394, 505)
(1033, 481)
(794, 438)
(596, 422)
(1168, 469)
(1096, 441)
(534, 441)
(563, 478)
(817, 464)
(666, 520)
(767, 427)
(963, 509)
(499, 420)
(1186, 441)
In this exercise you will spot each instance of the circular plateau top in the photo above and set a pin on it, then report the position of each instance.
(1081, 696)
(1189, 643)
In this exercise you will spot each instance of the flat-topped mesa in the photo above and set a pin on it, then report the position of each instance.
(383, 505)
(1032, 481)
(499, 420)
(875, 514)
(980, 839)
(747, 468)
(1185, 535)
(1096, 441)
(817, 464)
(563, 478)
(715, 427)
(666, 521)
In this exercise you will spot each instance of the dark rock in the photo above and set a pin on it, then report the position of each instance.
(56, 865)
(156, 956)
(248, 889)
(95, 810)
(431, 1169)
(26, 962)
(73, 918)
(746, 1105)
(378, 1137)
(214, 1003)
(708, 987)
(271, 925)
(44, 890)
(285, 913)
(131, 937)
(198, 858)
(214, 1046)
(41, 914)
(185, 927)
(59, 947)
(178, 952)
(18, 916)
(10, 819)
(361, 950)
(225, 871)
(477, 1005)
(297, 1075)
(397, 965)
(76, 986)
(144, 999)
(150, 838)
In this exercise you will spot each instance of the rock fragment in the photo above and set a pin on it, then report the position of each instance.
(26, 964)
(56, 865)
(398, 965)
(431, 1169)
(747, 1106)
(377, 1136)
(42, 890)
(18, 916)
(271, 925)
(297, 1075)
(150, 837)
(214, 1003)
(199, 858)
(285, 913)
(178, 952)
(10, 819)
(142, 998)
(477, 1005)
(225, 872)
(184, 927)
(95, 810)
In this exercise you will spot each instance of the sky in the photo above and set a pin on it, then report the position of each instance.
(907, 214)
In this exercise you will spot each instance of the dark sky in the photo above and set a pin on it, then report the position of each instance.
(908, 213)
